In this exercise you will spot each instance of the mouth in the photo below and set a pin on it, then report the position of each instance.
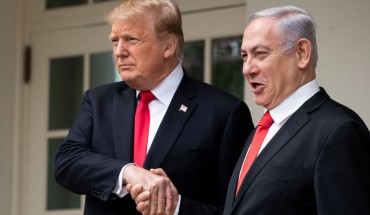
(256, 87)
(124, 66)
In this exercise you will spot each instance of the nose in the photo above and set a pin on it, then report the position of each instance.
(247, 67)
(120, 50)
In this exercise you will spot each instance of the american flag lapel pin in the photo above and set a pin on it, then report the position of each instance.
(183, 108)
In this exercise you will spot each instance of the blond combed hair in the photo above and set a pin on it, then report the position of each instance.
(166, 13)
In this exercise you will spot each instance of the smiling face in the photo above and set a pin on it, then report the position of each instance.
(272, 75)
(141, 59)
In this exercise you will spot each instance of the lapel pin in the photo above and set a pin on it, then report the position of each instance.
(183, 108)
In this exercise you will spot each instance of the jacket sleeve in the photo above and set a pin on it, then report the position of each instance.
(342, 175)
(77, 167)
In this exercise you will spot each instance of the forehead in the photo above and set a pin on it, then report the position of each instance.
(260, 32)
(136, 25)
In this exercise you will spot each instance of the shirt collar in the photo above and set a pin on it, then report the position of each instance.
(285, 109)
(167, 88)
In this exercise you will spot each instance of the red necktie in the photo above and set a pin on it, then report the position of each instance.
(259, 136)
(142, 121)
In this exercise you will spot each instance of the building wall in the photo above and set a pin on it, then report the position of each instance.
(344, 49)
(343, 69)
(7, 89)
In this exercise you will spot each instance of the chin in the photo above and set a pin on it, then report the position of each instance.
(257, 100)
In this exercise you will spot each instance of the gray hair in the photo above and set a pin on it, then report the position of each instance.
(294, 23)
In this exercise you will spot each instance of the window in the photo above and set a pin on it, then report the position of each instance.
(52, 4)
(226, 72)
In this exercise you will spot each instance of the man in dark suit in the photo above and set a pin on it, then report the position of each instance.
(315, 157)
(196, 132)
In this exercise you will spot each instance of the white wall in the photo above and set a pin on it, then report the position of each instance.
(343, 33)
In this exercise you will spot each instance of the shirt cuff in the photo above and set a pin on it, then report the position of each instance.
(119, 188)
(178, 206)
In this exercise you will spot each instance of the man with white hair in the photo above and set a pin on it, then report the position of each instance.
(310, 154)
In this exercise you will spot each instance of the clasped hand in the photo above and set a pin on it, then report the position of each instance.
(152, 190)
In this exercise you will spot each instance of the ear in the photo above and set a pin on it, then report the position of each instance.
(303, 53)
(170, 46)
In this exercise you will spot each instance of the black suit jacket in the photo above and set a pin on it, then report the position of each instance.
(317, 163)
(197, 149)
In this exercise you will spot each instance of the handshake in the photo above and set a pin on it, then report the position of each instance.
(152, 191)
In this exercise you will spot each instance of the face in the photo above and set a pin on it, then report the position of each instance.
(139, 55)
(272, 75)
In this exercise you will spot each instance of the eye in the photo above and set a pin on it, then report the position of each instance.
(244, 56)
(114, 42)
(131, 40)
(261, 54)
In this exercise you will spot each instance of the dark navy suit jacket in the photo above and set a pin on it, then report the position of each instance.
(317, 163)
(197, 148)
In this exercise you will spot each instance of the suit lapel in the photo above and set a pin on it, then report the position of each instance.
(286, 133)
(124, 106)
(235, 176)
(280, 139)
(172, 123)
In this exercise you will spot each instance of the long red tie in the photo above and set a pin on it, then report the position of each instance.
(142, 121)
(259, 136)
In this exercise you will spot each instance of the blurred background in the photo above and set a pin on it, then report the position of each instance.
(51, 51)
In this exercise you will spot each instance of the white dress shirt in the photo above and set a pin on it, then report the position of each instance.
(281, 113)
(163, 95)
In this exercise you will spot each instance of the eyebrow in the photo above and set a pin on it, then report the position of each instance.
(110, 36)
(255, 48)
